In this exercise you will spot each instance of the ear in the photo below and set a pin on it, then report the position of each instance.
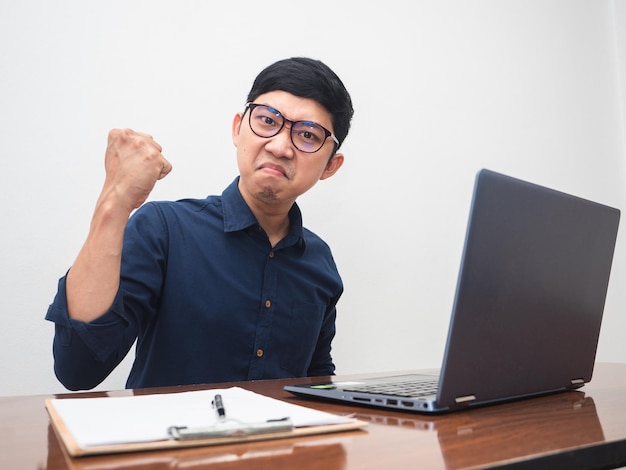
(332, 166)
(236, 128)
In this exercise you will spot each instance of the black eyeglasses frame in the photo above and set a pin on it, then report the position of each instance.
(250, 106)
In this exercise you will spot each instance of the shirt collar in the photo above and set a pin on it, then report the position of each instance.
(238, 216)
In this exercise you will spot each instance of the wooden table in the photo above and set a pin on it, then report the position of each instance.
(582, 429)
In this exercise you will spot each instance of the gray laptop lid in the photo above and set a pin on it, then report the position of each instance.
(529, 300)
(530, 294)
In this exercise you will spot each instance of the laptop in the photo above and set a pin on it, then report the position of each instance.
(527, 310)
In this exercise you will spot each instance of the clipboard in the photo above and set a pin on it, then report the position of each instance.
(176, 436)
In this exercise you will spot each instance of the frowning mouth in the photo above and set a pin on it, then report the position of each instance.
(272, 168)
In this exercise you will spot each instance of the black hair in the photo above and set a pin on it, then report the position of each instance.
(308, 78)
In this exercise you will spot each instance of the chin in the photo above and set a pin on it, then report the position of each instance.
(267, 194)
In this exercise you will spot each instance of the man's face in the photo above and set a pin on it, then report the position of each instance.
(273, 171)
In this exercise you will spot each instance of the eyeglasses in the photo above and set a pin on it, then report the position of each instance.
(306, 136)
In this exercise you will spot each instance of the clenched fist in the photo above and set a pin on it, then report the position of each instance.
(133, 163)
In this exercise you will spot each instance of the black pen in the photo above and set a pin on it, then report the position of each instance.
(219, 406)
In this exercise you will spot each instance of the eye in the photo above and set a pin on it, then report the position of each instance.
(309, 132)
(266, 117)
(305, 135)
(267, 120)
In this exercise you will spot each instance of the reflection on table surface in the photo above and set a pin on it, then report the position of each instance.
(586, 427)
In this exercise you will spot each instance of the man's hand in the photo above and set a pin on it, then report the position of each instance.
(133, 163)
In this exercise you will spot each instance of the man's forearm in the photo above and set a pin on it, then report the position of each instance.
(94, 278)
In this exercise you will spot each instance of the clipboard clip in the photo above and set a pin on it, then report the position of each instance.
(230, 428)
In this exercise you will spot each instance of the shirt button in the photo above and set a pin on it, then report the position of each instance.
(271, 254)
(259, 353)
(268, 304)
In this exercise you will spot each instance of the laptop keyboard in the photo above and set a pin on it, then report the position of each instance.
(418, 388)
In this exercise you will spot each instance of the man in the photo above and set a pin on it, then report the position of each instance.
(227, 288)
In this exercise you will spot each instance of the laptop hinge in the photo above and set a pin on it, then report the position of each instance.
(465, 399)
(577, 381)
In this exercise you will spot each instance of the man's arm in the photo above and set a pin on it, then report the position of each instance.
(322, 362)
(86, 352)
(133, 163)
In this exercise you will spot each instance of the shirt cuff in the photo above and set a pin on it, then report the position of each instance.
(96, 334)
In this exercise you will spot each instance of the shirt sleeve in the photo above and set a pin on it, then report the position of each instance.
(85, 353)
(322, 362)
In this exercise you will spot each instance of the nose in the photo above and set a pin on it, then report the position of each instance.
(281, 145)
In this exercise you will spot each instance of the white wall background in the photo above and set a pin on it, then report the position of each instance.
(532, 88)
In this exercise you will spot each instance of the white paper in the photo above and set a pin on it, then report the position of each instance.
(145, 418)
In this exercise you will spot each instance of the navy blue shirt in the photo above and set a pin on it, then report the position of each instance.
(208, 300)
